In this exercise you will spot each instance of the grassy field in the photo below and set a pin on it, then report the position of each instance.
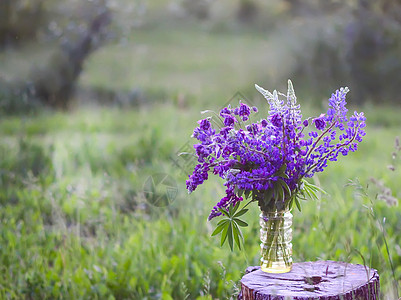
(75, 223)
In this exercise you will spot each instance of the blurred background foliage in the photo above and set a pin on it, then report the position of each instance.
(98, 95)
(323, 43)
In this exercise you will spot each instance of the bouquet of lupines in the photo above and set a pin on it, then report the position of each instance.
(268, 161)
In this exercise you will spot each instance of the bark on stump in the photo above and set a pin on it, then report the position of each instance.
(320, 280)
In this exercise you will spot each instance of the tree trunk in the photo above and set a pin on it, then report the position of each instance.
(320, 280)
(54, 84)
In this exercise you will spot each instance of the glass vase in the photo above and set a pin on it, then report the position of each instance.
(275, 237)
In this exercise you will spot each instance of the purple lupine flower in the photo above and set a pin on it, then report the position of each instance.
(224, 132)
(276, 120)
(230, 198)
(250, 159)
(264, 122)
(313, 134)
(244, 111)
(204, 124)
(199, 175)
(320, 123)
(229, 120)
(225, 111)
(337, 103)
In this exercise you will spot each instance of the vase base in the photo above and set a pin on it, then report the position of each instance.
(276, 269)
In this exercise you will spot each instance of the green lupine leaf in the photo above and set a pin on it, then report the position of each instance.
(315, 188)
(240, 232)
(222, 221)
(220, 227)
(236, 235)
(229, 227)
(291, 203)
(311, 193)
(285, 187)
(311, 189)
(230, 236)
(307, 191)
(224, 234)
(230, 210)
(284, 176)
(301, 195)
(275, 191)
(280, 192)
(241, 212)
(282, 170)
(247, 193)
(240, 222)
(234, 210)
(224, 212)
(298, 204)
(240, 193)
(265, 198)
(268, 195)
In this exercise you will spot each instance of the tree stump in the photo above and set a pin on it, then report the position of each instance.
(320, 280)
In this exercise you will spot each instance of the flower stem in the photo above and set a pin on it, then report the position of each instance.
(275, 247)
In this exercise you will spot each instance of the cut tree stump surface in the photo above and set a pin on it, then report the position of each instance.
(321, 280)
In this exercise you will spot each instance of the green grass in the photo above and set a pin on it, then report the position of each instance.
(73, 210)
(190, 62)
(75, 223)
